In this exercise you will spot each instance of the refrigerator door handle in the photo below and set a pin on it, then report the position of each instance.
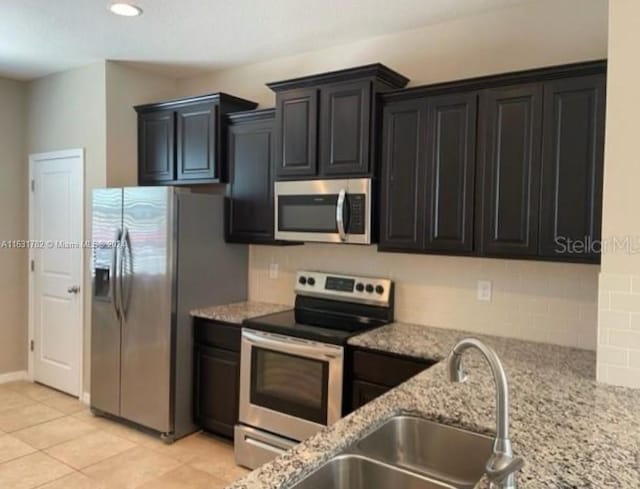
(124, 283)
(114, 279)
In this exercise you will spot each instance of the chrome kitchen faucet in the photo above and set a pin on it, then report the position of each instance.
(502, 465)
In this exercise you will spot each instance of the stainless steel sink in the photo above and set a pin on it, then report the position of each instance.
(358, 472)
(451, 455)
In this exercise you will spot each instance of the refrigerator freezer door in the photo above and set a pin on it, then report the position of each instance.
(105, 322)
(148, 300)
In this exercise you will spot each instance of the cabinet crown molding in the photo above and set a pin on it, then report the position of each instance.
(376, 71)
(220, 97)
(596, 67)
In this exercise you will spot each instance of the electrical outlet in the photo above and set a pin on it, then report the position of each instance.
(483, 290)
(274, 268)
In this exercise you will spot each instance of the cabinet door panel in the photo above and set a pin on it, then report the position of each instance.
(251, 156)
(572, 164)
(345, 129)
(511, 127)
(297, 132)
(401, 209)
(364, 392)
(217, 377)
(156, 148)
(196, 158)
(451, 143)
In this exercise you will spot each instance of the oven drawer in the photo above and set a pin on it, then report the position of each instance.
(253, 448)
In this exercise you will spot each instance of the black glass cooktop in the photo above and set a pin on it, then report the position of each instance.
(327, 328)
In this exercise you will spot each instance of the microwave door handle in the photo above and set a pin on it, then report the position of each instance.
(340, 214)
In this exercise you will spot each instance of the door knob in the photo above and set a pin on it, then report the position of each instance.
(74, 289)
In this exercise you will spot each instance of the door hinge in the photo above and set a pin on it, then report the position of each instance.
(33, 185)
(32, 345)
(33, 265)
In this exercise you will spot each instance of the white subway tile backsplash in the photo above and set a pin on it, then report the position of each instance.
(615, 282)
(604, 300)
(537, 301)
(614, 319)
(635, 321)
(613, 356)
(624, 376)
(634, 358)
(624, 339)
(624, 302)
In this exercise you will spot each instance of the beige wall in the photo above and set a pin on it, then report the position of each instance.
(13, 225)
(544, 32)
(619, 302)
(127, 87)
(68, 110)
(92, 108)
(538, 301)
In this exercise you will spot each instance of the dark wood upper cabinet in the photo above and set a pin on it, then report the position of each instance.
(326, 124)
(297, 132)
(501, 166)
(250, 214)
(509, 153)
(450, 172)
(197, 142)
(572, 166)
(345, 135)
(428, 168)
(184, 141)
(401, 203)
(156, 146)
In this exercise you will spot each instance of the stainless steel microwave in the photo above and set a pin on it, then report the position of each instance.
(329, 211)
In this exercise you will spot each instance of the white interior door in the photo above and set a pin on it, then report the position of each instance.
(56, 216)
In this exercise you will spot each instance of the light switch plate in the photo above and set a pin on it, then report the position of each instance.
(483, 290)
(274, 268)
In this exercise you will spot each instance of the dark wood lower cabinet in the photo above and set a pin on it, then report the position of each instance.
(216, 376)
(369, 374)
(217, 388)
(364, 392)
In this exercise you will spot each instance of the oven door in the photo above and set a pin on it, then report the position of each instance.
(334, 211)
(288, 386)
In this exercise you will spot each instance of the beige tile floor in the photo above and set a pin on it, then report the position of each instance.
(49, 440)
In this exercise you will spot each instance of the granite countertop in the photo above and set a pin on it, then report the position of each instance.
(572, 432)
(238, 311)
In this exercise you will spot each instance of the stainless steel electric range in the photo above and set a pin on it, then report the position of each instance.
(292, 363)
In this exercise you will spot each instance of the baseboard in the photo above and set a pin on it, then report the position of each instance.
(13, 376)
(86, 398)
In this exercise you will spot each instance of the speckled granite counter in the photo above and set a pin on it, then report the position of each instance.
(238, 311)
(572, 432)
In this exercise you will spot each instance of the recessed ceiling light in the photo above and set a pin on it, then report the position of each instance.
(125, 9)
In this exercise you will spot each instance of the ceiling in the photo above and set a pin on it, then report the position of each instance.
(182, 37)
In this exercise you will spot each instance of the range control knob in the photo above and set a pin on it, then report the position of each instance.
(379, 289)
(302, 280)
(311, 281)
(360, 287)
(369, 288)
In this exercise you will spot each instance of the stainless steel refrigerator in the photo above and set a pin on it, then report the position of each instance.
(158, 252)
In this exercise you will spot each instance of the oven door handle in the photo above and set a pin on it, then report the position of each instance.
(294, 347)
(342, 196)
